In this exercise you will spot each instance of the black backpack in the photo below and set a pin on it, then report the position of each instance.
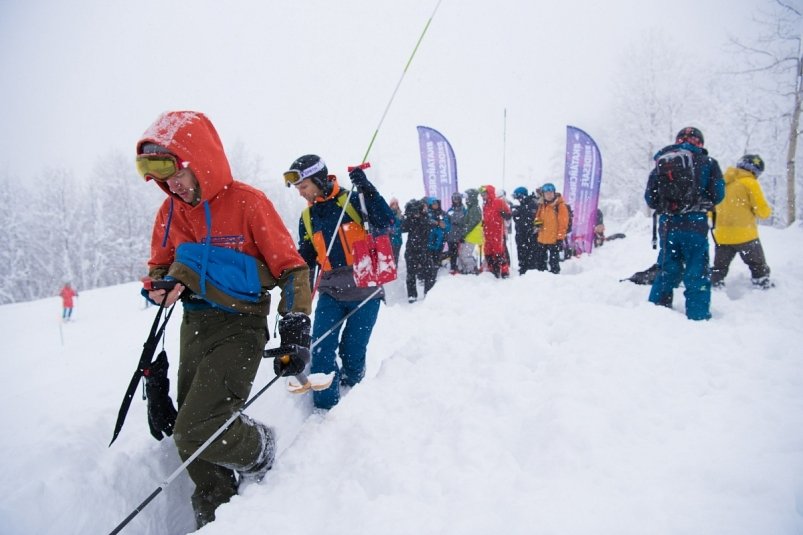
(571, 216)
(568, 251)
(677, 185)
(571, 219)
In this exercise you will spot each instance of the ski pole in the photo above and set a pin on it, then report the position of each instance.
(398, 84)
(379, 125)
(363, 209)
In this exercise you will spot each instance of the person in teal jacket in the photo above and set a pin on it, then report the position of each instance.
(395, 231)
(441, 225)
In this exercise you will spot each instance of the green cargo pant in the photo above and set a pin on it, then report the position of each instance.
(220, 355)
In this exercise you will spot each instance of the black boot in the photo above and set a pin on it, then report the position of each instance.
(264, 461)
(204, 504)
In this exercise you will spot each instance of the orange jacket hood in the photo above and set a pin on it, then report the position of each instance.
(231, 215)
(190, 136)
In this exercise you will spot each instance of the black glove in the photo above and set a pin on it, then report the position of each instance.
(161, 411)
(359, 180)
(294, 329)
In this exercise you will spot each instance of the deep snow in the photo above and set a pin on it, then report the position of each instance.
(542, 405)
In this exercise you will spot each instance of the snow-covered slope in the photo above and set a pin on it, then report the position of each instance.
(541, 404)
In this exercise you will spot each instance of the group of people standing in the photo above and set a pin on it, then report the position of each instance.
(430, 230)
(540, 219)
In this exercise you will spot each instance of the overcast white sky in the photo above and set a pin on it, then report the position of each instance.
(83, 78)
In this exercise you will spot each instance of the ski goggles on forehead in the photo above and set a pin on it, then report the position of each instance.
(294, 177)
(159, 167)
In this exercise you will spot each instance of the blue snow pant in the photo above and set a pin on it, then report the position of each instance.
(351, 346)
(684, 256)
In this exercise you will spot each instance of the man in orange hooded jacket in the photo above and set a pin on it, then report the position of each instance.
(227, 247)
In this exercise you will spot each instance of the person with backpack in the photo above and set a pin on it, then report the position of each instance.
(495, 212)
(395, 231)
(339, 298)
(685, 184)
(68, 294)
(474, 235)
(457, 231)
(551, 224)
(441, 225)
(417, 257)
(736, 231)
(524, 225)
(566, 247)
(223, 247)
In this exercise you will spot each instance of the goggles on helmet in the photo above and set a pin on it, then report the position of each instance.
(690, 135)
(159, 167)
(294, 177)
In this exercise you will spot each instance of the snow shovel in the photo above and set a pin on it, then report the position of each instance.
(374, 264)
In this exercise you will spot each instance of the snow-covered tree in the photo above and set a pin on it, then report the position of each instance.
(92, 232)
(15, 272)
(123, 206)
(659, 91)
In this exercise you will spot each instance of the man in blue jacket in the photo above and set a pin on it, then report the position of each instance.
(339, 298)
(684, 221)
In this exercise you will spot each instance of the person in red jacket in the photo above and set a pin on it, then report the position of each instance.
(67, 294)
(494, 214)
(224, 246)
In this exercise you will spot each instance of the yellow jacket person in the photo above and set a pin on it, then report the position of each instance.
(736, 229)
